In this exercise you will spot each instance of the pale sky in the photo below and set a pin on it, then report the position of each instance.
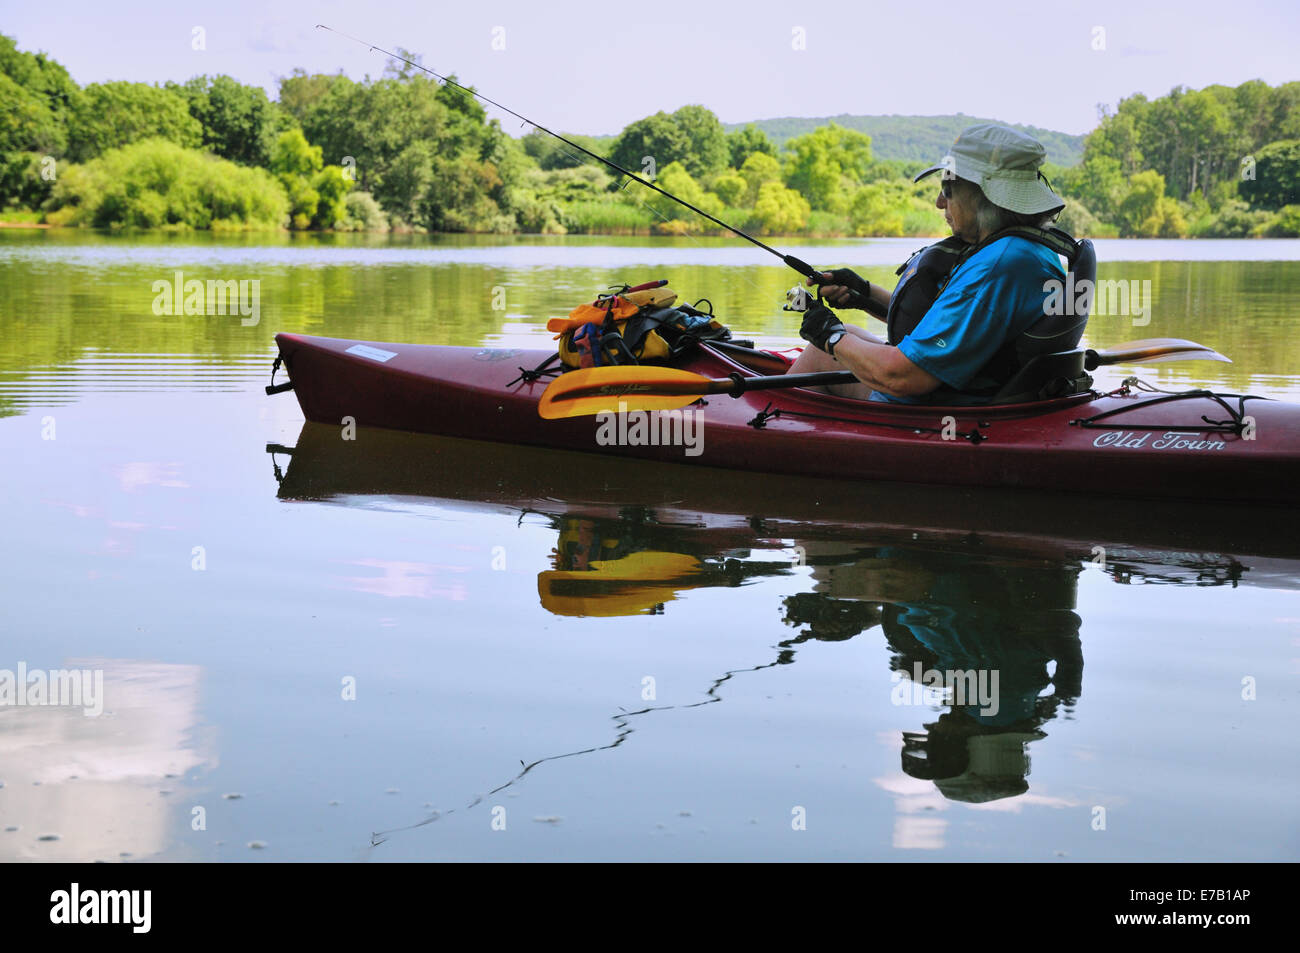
(593, 66)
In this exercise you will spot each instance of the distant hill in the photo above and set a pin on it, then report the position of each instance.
(922, 138)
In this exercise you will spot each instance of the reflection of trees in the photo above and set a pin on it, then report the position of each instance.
(435, 289)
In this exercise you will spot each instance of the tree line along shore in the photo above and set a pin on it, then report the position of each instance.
(404, 152)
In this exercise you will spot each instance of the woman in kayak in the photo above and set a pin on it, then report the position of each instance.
(956, 353)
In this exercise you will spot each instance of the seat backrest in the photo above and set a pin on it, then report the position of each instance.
(1054, 333)
(1046, 376)
(1050, 363)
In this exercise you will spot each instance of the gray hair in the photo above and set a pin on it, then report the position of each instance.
(990, 218)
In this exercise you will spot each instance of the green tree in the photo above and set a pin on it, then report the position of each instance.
(1234, 219)
(1286, 224)
(301, 92)
(27, 178)
(1098, 183)
(730, 187)
(827, 165)
(1285, 123)
(292, 154)
(1146, 212)
(759, 169)
(550, 153)
(780, 210)
(26, 122)
(331, 187)
(460, 197)
(1076, 219)
(1250, 108)
(1198, 142)
(374, 123)
(466, 130)
(743, 143)
(239, 122)
(363, 214)
(158, 184)
(1118, 136)
(675, 179)
(1187, 136)
(709, 152)
(110, 115)
(658, 138)
(316, 191)
(401, 191)
(36, 97)
(401, 130)
(1276, 179)
(877, 209)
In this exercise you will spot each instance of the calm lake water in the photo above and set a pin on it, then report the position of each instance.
(416, 648)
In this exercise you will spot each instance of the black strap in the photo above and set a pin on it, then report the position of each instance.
(528, 376)
(1054, 238)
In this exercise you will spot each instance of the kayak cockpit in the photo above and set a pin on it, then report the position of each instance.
(1069, 365)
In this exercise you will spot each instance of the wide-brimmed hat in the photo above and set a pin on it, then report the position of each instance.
(1004, 163)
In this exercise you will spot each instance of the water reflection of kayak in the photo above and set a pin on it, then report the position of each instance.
(977, 588)
(1131, 444)
(704, 512)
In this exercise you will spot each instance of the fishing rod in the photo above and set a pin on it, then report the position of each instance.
(799, 265)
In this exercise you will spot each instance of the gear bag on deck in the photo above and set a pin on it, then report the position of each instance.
(637, 325)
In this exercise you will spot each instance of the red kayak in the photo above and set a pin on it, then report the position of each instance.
(1221, 447)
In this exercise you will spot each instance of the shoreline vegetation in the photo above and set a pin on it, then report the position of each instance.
(404, 153)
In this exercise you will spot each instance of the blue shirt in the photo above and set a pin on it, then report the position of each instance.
(995, 295)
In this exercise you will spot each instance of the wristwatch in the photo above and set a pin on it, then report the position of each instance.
(833, 340)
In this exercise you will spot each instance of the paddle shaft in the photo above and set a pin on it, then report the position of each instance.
(700, 386)
(593, 390)
(1092, 360)
(737, 386)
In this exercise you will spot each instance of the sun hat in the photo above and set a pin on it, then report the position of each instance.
(1004, 163)
(998, 768)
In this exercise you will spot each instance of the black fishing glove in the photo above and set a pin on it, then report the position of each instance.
(821, 328)
(850, 279)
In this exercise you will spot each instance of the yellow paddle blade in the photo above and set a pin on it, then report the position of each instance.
(631, 585)
(599, 390)
(645, 566)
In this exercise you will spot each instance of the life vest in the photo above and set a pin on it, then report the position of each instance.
(924, 276)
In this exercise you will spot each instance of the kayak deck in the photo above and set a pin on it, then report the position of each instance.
(1200, 446)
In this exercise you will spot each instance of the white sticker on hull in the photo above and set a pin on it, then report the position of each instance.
(1170, 440)
(374, 353)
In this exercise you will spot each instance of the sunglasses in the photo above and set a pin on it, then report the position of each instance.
(946, 188)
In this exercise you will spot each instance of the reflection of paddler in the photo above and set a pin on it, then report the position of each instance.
(962, 611)
(1012, 618)
(955, 611)
(879, 575)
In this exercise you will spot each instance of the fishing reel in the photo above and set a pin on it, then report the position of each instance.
(798, 299)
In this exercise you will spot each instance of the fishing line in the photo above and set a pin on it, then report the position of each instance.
(797, 264)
